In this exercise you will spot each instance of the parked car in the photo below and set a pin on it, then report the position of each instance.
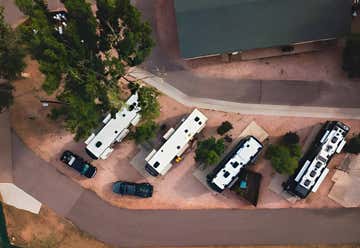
(143, 190)
(79, 164)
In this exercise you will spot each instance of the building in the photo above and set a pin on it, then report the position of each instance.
(114, 129)
(243, 154)
(313, 166)
(213, 27)
(177, 141)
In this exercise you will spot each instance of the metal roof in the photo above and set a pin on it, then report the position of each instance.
(208, 27)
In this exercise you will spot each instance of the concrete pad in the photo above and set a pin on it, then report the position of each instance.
(276, 181)
(346, 190)
(5, 149)
(254, 130)
(16, 197)
(276, 187)
(138, 162)
(354, 165)
(200, 174)
(345, 164)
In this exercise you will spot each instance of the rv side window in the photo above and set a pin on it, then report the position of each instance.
(156, 164)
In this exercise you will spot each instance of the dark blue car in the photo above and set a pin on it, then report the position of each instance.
(77, 163)
(143, 190)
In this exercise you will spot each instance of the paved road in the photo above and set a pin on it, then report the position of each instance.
(164, 61)
(178, 228)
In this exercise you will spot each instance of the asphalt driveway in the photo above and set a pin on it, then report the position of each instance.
(178, 228)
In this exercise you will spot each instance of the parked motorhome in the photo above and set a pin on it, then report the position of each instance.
(313, 166)
(243, 154)
(114, 129)
(177, 141)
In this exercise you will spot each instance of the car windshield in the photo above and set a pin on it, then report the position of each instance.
(143, 189)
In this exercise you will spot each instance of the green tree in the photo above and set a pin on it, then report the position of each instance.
(351, 56)
(149, 104)
(224, 128)
(121, 27)
(209, 151)
(353, 145)
(290, 138)
(6, 97)
(145, 132)
(11, 51)
(11, 60)
(282, 159)
(89, 58)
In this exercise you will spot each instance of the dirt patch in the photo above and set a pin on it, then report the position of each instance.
(179, 189)
(45, 230)
(323, 65)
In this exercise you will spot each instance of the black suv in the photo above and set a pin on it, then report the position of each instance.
(79, 164)
(143, 190)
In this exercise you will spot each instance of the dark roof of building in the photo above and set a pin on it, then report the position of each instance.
(218, 26)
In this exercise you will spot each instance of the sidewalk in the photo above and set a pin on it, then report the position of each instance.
(243, 108)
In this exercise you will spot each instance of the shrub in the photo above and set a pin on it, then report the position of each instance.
(145, 132)
(282, 158)
(224, 128)
(290, 138)
(209, 151)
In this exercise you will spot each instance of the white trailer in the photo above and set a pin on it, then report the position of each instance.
(114, 130)
(159, 162)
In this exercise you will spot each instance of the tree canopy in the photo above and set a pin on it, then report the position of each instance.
(209, 151)
(284, 157)
(145, 132)
(290, 138)
(6, 97)
(11, 60)
(88, 58)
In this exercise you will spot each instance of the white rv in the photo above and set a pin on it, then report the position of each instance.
(114, 130)
(243, 154)
(313, 166)
(159, 162)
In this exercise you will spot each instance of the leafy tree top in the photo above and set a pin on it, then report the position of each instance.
(89, 57)
(11, 52)
(290, 138)
(209, 151)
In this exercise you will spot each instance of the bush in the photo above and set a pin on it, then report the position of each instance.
(145, 132)
(224, 128)
(354, 145)
(283, 159)
(6, 97)
(149, 104)
(290, 138)
(209, 151)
